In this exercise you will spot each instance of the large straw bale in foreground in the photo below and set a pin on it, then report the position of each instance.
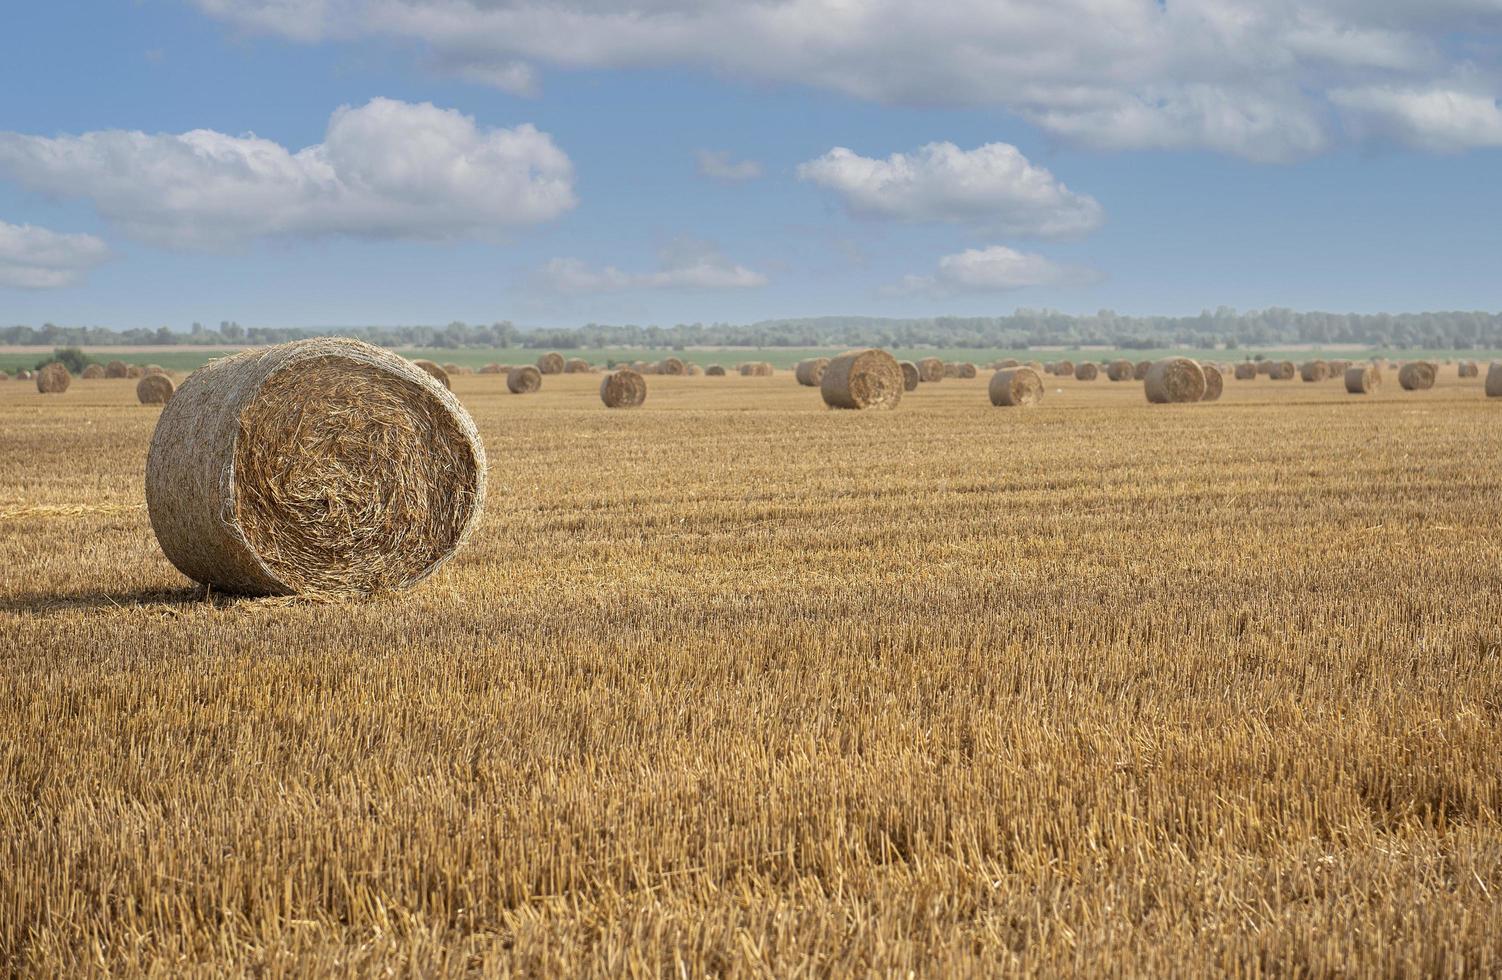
(868, 378)
(321, 465)
(1494, 380)
(1362, 379)
(435, 372)
(53, 379)
(1417, 376)
(551, 363)
(910, 375)
(523, 380)
(116, 369)
(623, 389)
(1215, 383)
(930, 369)
(811, 372)
(1016, 386)
(154, 389)
(1173, 380)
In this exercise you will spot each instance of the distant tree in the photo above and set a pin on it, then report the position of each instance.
(72, 358)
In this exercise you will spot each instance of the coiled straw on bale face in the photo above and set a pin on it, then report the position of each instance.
(1016, 386)
(811, 371)
(1362, 379)
(862, 379)
(1314, 370)
(116, 369)
(1215, 383)
(551, 363)
(1173, 380)
(1121, 370)
(435, 372)
(93, 372)
(715, 371)
(1246, 371)
(321, 465)
(623, 389)
(930, 369)
(53, 379)
(910, 377)
(154, 389)
(1086, 372)
(523, 380)
(1494, 380)
(1417, 375)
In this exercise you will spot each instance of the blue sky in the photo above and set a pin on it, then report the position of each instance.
(660, 161)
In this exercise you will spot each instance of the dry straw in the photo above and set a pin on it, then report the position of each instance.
(1174, 379)
(1121, 370)
(155, 369)
(811, 371)
(1314, 370)
(1215, 383)
(116, 369)
(1087, 371)
(321, 465)
(672, 365)
(623, 389)
(1064, 369)
(154, 389)
(435, 372)
(93, 372)
(1246, 371)
(1494, 380)
(53, 379)
(868, 378)
(1417, 375)
(551, 363)
(1016, 386)
(1282, 371)
(576, 365)
(452, 370)
(930, 369)
(1362, 379)
(1140, 369)
(910, 375)
(523, 380)
(135, 371)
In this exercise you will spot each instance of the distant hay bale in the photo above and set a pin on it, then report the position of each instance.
(116, 369)
(1417, 375)
(551, 363)
(491, 369)
(435, 372)
(1362, 379)
(452, 370)
(1264, 367)
(53, 379)
(135, 371)
(1314, 370)
(811, 372)
(576, 365)
(1140, 369)
(952, 369)
(623, 389)
(1121, 370)
(1064, 369)
(757, 369)
(930, 369)
(1246, 371)
(910, 376)
(155, 369)
(1016, 386)
(671, 366)
(869, 378)
(25, 375)
(1215, 383)
(715, 370)
(1494, 380)
(1037, 366)
(1174, 380)
(154, 389)
(1282, 371)
(93, 372)
(1086, 371)
(321, 465)
(695, 371)
(1009, 362)
(4, 375)
(966, 370)
(523, 380)
(1338, 368)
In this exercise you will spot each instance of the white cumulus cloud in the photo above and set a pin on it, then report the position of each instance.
(1252, 79)
(996, 269)
(386, 169)
(719, 165)
(685, 264)
(993, 186)
(1435, 118)
(36, 258)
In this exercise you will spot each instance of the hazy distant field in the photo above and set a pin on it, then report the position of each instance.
(736, 684)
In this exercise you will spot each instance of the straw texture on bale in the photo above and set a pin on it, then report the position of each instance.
(672, 365)
(910, 377)
(811, 371)
(435, 372)
(623, 389)
(1362, 379)
(1016, 386)
(1314, 370)
(551, 363)
(1282, 371)
(1087, 371)
(1417, 376)
(757, 369)
(1215, 383)
(1246, 371)
(1494, 380)
(1121, 370)
(715, 370)
(869, 378)
(116, 369)
(1173, 380)
(321, 465)
(93, 372)
(523, 380)
(930, 369)
(154, 389)
(53, 379)
(135, 371)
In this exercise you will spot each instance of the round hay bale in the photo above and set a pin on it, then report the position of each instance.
(672, 366)
(155, 369)
(551, 363)
(491, 369)
(154, 389)
(1314, 370)
(53, 379)
(1121, 371)
(952, 369)
(435, 372)
(1494, 380)
(1009, 362)
(1362, 379)
(715, 370)
(695, 371)
(930, 369)
(1338, 368)
(116, 369)
(322, 465)
(623, 389)
(910, 376)
(135, 371)
(524, 380)
(1036, 366)
(810, 372)
(1016, 386)
(1174, 380)
(1215, 383)
(1140, 369)
(25, 375)
(869, 378)
(1246, 371)
(747, 370)
(452, 370)
(1086, 371)
(576, 365)
(93, 372)
(1282, 371)
(1417, 375)
(964, 370)
(1064, 369)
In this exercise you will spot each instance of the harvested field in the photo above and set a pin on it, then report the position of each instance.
(734, 684)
